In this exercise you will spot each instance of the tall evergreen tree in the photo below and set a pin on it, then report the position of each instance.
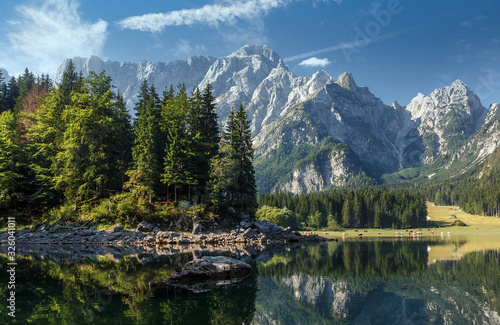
(238, 136)
(11, 94)
(348, 212)
(179, 161)
(121, 142)
(204, 131)
(86, 157)
(24, 83)
(146, 153)
(13, 163)
(245, 153)
(47, 134)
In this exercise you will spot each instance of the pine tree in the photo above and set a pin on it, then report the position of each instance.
(204, 132)
(47, 135)
(238, 136)
(13, 163)
(245, 152)
(86, 156)
(121, 142)
(347, 212)
(24, 84)
(11, 94)
(146, 153)
(179, 168)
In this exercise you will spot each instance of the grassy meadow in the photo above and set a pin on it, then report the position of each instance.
(442, 218)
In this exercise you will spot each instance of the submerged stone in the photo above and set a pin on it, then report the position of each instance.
(204, 274)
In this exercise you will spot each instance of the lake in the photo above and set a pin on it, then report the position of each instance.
(442, 280)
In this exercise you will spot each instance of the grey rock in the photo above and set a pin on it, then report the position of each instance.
(117, 228)
(203, 274)
(250, 233)
(197, 228)
(145, 227)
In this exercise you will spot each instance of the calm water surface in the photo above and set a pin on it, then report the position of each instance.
(391, 281)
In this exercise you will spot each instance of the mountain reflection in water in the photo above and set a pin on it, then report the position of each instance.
(353, 282)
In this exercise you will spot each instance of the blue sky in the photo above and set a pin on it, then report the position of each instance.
(395, 47)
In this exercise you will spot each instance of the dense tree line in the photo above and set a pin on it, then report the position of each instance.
(371, 208)
(477, 192)
(14, 93)
(75, 143)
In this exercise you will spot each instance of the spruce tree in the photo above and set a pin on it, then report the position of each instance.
(245, 152)
(47, 134)
(86, 158)
(179, 168)
(24, 83)
(347, 212)
(13, 163)
(11, 94)
(238, 136)
(121, 142)
(204, 132)
(146, 157)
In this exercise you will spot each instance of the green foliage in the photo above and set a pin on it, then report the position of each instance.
(13, 163)
(146, 152)
(282, 217)
(76, 151)
(235, 163)
(273, 169)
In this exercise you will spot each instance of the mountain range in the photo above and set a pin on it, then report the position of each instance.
(312, 133)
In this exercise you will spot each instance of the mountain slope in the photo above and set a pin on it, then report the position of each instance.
(5, 75)
(447, 118)
(347, 113)
(253, 75)
(314, 132)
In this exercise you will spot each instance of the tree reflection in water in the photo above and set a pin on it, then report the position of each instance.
(378, 282)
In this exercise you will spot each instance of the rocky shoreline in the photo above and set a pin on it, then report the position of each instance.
(248, 233)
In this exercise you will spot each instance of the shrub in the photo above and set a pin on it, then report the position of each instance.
(282, 217)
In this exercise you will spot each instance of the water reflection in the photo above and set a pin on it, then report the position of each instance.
(352, 282)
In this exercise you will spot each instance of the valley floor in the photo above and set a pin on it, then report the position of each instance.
(441, 216)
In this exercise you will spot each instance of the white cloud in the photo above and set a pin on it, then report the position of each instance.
(46, 32)
(315, 62)
(211, 14)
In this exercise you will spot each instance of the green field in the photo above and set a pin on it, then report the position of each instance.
(440, 217)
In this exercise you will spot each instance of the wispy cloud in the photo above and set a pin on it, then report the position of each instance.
(45, 32)
(345, 46)
(315, 62)
(211, 14)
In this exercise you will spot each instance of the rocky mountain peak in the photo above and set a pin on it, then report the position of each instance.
(262, 51)
(448, 116)
(493, 112)
(5, 75)
(346, 81)
(458, 84)
(396, 106)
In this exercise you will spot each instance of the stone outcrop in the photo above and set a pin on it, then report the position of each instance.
(247, 233)
(336, 169)
(205, 273)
